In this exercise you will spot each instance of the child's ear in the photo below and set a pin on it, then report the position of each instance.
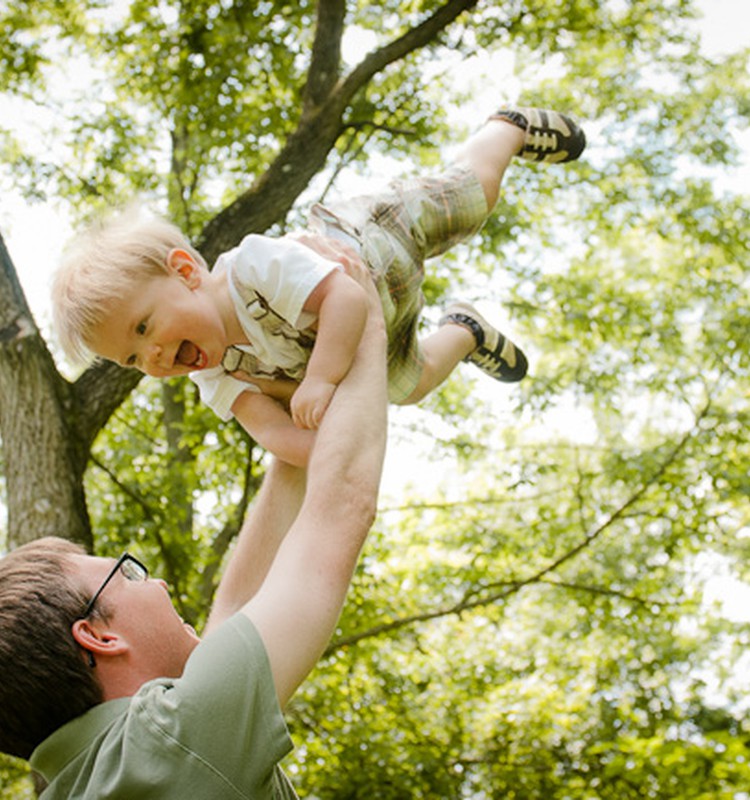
(185, 266)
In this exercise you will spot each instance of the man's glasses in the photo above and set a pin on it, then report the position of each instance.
(130, 567)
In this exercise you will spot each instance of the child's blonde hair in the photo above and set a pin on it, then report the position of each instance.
(104, 264)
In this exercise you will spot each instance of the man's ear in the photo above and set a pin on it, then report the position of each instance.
(185, 266)
(100, 642)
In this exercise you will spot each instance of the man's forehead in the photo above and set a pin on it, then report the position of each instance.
(83, 564)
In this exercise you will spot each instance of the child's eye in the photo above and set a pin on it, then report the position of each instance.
(130, 361)
(140, 328)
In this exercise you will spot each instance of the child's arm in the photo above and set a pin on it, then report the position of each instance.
(266, 420)
(341, 305)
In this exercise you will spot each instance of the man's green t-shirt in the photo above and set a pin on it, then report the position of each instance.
(216, 732)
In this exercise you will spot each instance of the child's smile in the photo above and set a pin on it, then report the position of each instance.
(190, 355)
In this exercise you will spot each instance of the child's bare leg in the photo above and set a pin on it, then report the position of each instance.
(534, 134)
(488, 152)
(464, 335)
(441, 351)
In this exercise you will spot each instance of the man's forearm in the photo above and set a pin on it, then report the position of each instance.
(350, 444)
(272, 514)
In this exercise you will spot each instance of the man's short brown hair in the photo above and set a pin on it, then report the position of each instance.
(44, 679)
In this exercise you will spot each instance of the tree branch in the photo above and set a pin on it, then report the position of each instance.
(99, 391)
(305, 152)
(472, 598)
(326, 54)
(412, 40)
(153, 514)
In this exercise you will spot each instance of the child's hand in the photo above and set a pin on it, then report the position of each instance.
(310, 401)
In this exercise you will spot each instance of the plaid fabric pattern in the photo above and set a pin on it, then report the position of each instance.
(397, 230)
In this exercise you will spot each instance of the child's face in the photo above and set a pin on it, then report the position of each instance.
(168, 325)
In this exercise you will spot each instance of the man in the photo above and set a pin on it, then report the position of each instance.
(111, 695)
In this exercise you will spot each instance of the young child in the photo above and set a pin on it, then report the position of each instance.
(272, 329)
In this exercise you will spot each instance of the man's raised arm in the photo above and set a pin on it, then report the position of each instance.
(299, 603)
(273, 511)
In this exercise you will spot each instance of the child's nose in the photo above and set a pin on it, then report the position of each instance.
(153, 355)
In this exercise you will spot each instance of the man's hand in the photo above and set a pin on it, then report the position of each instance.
(330, 248)
(310, 402)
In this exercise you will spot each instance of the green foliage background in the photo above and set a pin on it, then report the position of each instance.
(535, 626)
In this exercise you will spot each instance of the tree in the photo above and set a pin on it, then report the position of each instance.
(201, 52)
(632, 300)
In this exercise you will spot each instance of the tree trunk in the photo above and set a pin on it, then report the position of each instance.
(43, 459)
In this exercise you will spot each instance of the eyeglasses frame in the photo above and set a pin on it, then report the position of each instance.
(125, 557)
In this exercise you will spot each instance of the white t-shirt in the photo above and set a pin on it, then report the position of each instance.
(269, 282)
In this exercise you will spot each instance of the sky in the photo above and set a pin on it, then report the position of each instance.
(34, 236)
